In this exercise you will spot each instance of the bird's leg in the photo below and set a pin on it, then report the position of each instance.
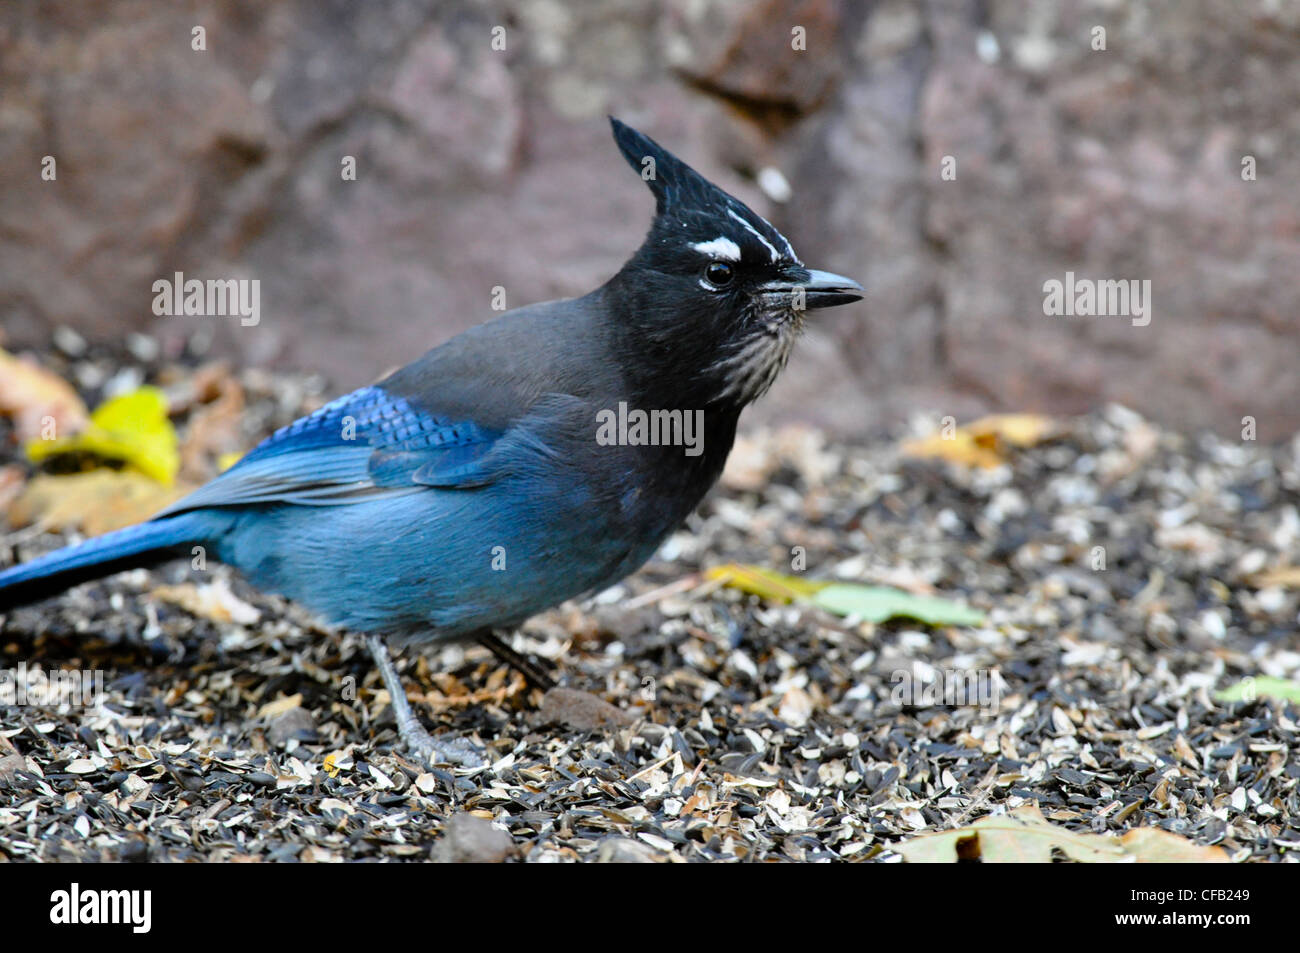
(418, 741)
(527, 666)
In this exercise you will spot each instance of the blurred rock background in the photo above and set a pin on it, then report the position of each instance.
(478, 167)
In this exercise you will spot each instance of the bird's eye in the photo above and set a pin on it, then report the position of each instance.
(719, 274)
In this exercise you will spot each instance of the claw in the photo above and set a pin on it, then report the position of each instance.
(422, 745)
(430, 750)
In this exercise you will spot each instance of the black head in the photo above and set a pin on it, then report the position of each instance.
(715, 291)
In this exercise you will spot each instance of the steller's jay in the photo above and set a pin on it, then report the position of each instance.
(488, 481)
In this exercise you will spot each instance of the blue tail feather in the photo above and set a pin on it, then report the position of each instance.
(144, 544)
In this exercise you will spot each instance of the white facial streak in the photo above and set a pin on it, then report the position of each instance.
(719, 248)
(776, 255)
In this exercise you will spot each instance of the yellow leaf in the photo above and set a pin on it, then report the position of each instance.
(228, 460)
(772, 586)
(133, 428)
(1019, 430)
(983, 442)
(959, 448)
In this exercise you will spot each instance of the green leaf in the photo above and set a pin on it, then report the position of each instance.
(871, 603)
(1256, 686)
(878, 603)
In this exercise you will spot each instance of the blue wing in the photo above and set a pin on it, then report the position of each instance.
(364, 444)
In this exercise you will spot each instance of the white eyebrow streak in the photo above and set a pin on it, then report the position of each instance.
(719, 248)
(776, 255)
(788, 247)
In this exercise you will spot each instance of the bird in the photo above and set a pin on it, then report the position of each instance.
(534, 458)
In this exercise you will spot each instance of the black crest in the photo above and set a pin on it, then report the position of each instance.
(683, 193)
(673, 182)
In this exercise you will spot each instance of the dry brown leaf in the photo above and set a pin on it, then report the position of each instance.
(29, 394)
(754, 458)
(463, 699)
(1025, 836)
(214, 429)
(12, 480)
(1150, 845)
(749, 465)
(93, 503)
(280, 706)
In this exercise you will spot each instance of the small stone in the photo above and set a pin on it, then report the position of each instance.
(69, 341)
(294, 723)
(469, 839)
(580, 711)
(142, 347)
(624, 850)
(10, 765)
(1272, 599)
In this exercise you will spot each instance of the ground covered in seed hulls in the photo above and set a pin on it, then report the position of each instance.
(1127, 575)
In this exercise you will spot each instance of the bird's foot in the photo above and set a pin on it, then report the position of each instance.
(429, 750)
(422, 745)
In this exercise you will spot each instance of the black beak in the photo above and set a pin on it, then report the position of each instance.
(808, 288)
(825, 290)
